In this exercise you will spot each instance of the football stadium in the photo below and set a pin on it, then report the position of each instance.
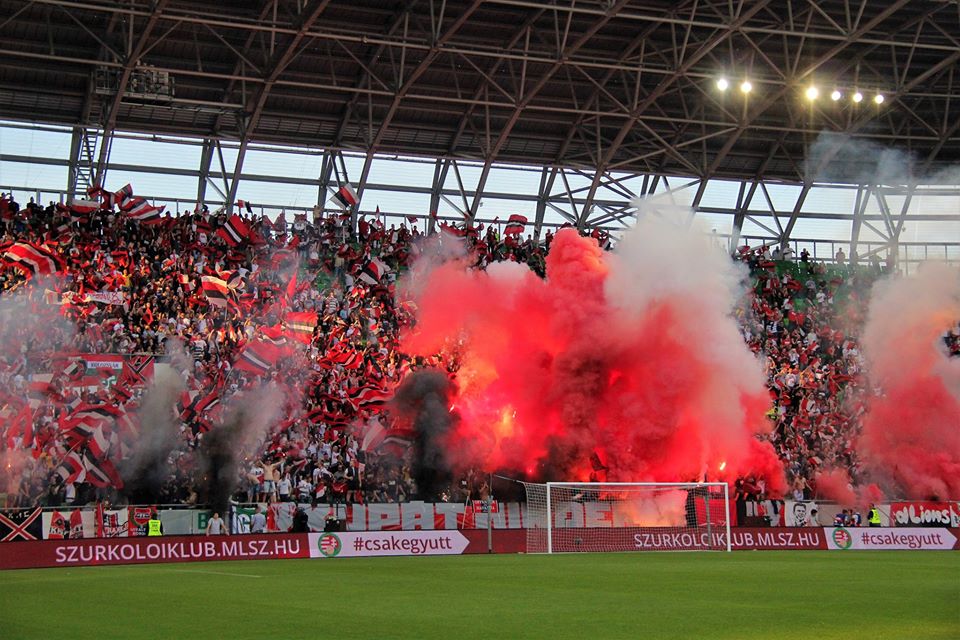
(480, 319)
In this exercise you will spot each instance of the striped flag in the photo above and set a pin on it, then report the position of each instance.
(71, 469)
(515, 225)
(80, 210)
(234, 231)
(300, 325)
(258, 357)
(32, 260)
(101, 472)
(373, 271)
(345, 197)
(217, 292)
(124, 198)
(144, 212)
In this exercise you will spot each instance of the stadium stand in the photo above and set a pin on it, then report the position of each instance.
(232, 292)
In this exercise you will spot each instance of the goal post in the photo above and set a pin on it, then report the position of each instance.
(563, 517)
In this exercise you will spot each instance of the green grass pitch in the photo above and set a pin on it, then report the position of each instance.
(768, 595)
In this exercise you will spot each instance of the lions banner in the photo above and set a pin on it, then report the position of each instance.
(925, 514)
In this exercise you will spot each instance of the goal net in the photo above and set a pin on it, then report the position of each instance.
(627, 516)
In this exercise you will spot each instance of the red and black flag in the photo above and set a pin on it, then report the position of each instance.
(101, 472)
(144, 212)
(81, 210)
(345, 197)
(124, 198)
(259, 356)
(71, 468)
(245, 204)
(234, 231)
(137, 370)
(216, 290)
(371, 396)
(32, 260)
(515, 225)
(347, 358)
(373, 271)
(107, 199)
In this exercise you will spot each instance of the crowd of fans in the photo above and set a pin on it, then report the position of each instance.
(335, 440)
(310, 306)
(803, 318)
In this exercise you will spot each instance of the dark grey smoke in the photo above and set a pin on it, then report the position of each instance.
(249, 416)
(424, 399)
(219, 464)
(147, 468)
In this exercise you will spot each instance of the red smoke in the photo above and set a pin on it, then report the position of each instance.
(625, 361)
(911, 432)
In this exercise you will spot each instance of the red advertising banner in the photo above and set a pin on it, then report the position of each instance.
(925, 514)
(146, 550)
(686, 539)
(73, 553)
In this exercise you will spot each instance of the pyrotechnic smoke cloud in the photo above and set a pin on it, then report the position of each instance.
(911, 433)
(628, 365)
(147, 466)
(424, 400)
(249, 416)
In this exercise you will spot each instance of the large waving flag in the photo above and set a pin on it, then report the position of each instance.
(259, 356)
(32, 260)
(144, 212)
(300, 325)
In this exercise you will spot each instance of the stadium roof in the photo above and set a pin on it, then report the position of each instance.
(596, 85)
(595, 93)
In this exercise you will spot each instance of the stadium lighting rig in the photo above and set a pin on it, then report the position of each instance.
(811, 92)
